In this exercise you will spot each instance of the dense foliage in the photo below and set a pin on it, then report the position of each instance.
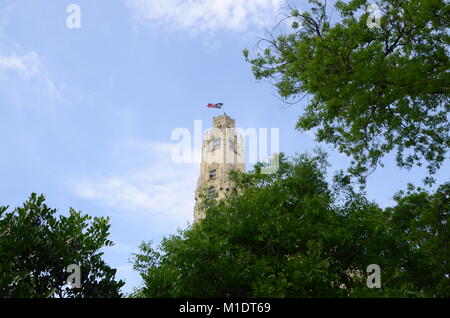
(293, 234)
(36, 248)
(372, 90)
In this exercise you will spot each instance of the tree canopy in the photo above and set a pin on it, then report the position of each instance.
(36, 248)
(295, 234)
(371, 90)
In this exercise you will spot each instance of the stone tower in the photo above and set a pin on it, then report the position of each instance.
(222, 151)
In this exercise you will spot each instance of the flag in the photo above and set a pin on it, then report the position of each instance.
(218, 105)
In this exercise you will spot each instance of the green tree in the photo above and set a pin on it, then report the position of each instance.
(422, 219)
(372, 90)
(293, 234)
(36, 248)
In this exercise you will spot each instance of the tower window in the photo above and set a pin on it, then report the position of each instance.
(212, 173)
(216, 144)
(211, 191)
(231, 144)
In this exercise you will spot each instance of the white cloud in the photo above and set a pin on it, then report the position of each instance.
(161, 191)
(207, 16)
(14, 59)
(32, 81)
(27, 65)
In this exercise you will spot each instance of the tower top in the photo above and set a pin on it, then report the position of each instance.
(223, 121)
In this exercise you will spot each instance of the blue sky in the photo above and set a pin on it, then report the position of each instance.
(86, 115)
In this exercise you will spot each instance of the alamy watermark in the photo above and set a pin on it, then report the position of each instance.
(374, 276)
(73, 21)
(374, 18)
(227, 145)
(74, 279)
